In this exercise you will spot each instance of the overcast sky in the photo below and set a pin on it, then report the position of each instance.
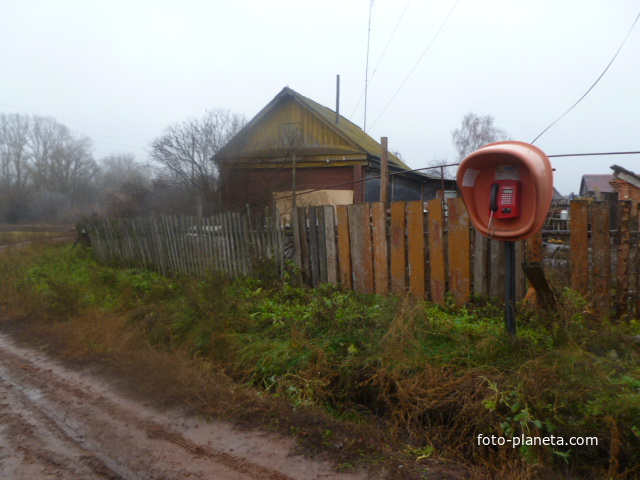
(120, 71)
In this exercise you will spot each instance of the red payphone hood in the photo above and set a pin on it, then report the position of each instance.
(477, 173)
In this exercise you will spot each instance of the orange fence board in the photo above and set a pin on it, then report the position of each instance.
(599, 214)
(344, 246)
(415, 250)
(579, 246)
(437, 271)
(397, 248)
(459, 246)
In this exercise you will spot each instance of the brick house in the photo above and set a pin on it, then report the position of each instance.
(626, 184)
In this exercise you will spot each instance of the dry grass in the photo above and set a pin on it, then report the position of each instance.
(371, 383)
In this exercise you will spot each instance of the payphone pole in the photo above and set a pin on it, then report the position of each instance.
(510, 286)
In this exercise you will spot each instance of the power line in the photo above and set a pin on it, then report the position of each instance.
(380, 60)
(439, 167)
(593, 154)
(594, 83)
(367, 179)
(416, 65)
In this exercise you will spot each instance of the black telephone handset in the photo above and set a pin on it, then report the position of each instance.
(495, 188)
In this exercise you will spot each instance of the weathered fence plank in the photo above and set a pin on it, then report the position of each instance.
(579, 246)
(481, 266)
(380, 249)
(437, 266)
(361, 257)
(459, 246)
(304, 245)
(397, 248)
(344, 246)
(330, 237)
(623, 248)
(313, 246)
(599, 216)
(498, 266)
(415, 250)
(322, 246)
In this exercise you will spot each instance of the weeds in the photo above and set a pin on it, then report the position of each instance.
(425, 378)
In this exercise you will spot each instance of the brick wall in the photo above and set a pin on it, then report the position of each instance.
(625, 190)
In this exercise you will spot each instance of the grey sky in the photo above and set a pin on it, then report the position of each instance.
(120, 71)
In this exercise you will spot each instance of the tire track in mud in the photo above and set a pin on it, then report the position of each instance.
(64, 425)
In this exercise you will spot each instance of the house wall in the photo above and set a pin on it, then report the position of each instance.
(625, 190)
(401, 189)
(257, 186)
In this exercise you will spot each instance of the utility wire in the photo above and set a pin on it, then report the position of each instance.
(380, 60)
(593, 154)
(416, 65)
(438, 167)
(368, 178)
(594, 83)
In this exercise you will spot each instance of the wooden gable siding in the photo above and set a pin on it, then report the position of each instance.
(314, 133)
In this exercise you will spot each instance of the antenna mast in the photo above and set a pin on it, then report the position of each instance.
(366, 75)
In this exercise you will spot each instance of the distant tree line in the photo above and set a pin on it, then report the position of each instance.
(48, 173)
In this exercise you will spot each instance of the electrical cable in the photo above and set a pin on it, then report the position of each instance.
(593, 154)
(366, 179)
(444, 166)
(380, 59)
(417, 63)
(594, 83)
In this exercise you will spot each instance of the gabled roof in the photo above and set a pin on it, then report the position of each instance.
(348, 130)
(626, 175)
(592, 184)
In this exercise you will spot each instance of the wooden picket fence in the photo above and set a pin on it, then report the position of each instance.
(426, 250)
(228, 242)
(429, 250)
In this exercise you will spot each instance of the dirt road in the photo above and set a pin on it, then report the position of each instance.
(56, 423)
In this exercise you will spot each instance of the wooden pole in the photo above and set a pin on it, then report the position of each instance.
(337, 99)
(384, 172)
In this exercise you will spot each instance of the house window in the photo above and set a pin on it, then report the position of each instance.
(291, 135)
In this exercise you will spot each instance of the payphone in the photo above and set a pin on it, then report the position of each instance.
(507, 188)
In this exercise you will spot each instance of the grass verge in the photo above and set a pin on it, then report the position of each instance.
(378, 381)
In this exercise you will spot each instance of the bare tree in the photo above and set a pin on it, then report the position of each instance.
(61, 162)
(443, 167)
(184, 152)
(475, 132)
(14, 167)
(42, 165)
(121, 169)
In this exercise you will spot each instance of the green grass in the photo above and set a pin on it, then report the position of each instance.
(435, 376)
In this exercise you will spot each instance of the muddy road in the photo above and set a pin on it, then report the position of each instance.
(57, 423)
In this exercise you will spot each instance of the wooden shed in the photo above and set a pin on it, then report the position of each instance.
(296, 144)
